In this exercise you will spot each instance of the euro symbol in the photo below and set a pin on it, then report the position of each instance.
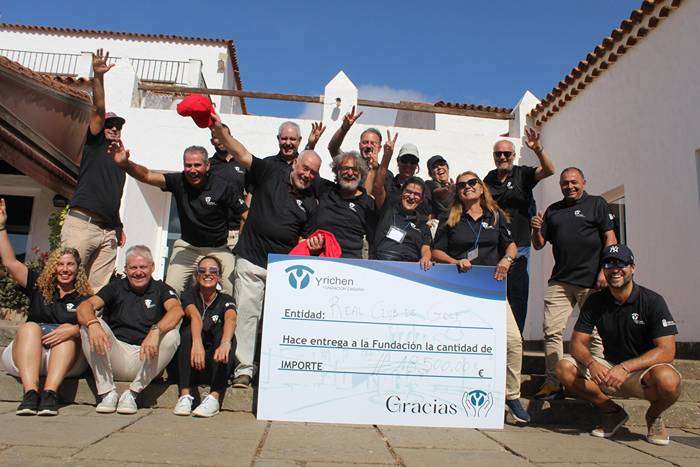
(481, 373)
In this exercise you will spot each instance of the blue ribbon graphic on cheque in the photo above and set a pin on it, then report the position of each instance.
(299, 276)
(477, 403)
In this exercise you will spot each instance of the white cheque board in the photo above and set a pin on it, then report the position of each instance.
(382, 342)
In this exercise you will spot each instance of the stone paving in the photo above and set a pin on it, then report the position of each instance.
(79, 436)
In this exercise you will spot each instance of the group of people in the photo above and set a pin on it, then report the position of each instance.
(236, 208)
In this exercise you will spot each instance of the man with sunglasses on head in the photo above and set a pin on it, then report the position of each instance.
(93, 226)
(578, 227)
(639, 342)
(511, 186)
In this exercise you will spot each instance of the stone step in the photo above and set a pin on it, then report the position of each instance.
(158, 394)
(690, 388)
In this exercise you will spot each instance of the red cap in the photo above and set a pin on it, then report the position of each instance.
(199, 108)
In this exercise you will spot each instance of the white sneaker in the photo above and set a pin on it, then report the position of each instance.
(127, 403)
(184, 405)
(208, 408)
(108, 404)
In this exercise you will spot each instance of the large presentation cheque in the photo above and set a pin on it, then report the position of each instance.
(382, 342)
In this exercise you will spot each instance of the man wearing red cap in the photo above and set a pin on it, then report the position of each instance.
(93, 226)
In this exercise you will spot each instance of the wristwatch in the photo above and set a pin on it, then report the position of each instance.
(155, 328)
(510, 259)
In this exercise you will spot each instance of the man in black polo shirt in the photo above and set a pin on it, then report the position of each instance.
(639, 343)
(511, 187)
(137, 335)
(203, 203)
(93, 226)
(440, 186)
(344, 207)
(578, 227)
(280, 215)
(225, 165)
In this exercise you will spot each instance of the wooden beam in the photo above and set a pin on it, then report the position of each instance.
(411, 106)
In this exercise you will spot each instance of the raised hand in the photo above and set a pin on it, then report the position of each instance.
(99, 62)
(537, 221)
(350, 118)
(317, 130)
(3, 213)
(532, 139)
(390, 142)
(119, 154)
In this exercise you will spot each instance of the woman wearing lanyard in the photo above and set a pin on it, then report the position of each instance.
(207, 343)
(402, 233)
(476, 233)
(49, 342)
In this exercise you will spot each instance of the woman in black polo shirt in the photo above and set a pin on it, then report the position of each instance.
(476, 232)
(207, 344)
(49, 342)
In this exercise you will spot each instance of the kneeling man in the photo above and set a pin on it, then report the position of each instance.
(137, 335)
(639, 343)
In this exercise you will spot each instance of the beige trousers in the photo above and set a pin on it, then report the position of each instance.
(122, 362)
(514, 355)
(183, 264)
(250, 293)
(559, 302)
(97, 248)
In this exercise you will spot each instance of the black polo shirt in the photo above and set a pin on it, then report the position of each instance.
(392, 187)
(514, 196)
(494, 237)
(213, 316)
(129, 314)
(278, 215)
(626, 329)
(59, 311)
(203, 211)
(438, 207)
(575, 231)
(412, 223)
(234, 173)
(349, 219)
(100, 181)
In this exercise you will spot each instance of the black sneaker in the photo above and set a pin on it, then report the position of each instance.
(48, 405)
(242, 382)
(29, 404)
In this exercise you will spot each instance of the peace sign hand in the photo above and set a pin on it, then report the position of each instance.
(390, 142)
(350, 118)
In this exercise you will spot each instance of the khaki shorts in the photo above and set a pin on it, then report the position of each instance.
(633, 385)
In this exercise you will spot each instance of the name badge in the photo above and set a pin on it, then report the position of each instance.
(396, 234)
(473, 253)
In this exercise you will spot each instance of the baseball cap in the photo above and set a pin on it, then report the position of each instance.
(409, 152)
(619, 252)
(113, 116)
(199, 108)
(435, 160)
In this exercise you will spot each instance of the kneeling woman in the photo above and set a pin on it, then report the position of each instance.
(49, 342)
(207, 343)
(476, 233)
(402, 233)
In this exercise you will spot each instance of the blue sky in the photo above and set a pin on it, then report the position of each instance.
(480, 51)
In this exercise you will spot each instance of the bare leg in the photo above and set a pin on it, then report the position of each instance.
(62, 359)
(663, 389)
(26, 354)
(583, 388)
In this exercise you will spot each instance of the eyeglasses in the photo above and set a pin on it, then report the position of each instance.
(349, 168)
(472, 182)
(499, 154)
(415, 194)
(615, 264)
(211, 270)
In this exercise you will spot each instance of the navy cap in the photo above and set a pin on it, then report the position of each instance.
(435, 160)
(619, 252)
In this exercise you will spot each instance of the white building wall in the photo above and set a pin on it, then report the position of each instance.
(636, 125)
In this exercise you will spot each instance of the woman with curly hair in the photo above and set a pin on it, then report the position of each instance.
(49, 342)
(476, 232)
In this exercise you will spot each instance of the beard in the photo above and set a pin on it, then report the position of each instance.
(349, 184)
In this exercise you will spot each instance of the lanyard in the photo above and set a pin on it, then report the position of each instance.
(477, 235)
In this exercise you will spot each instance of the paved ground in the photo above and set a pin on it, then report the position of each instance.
(79, 436)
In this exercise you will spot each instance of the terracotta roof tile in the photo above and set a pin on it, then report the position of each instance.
(604, 55)
(229, 44)
(481, 108)
(43, 79)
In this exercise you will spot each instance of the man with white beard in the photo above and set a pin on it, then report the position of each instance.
(344, 207)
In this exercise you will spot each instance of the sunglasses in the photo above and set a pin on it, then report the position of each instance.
(499, 154)
(209, 270)
(471, 183)
(115, 126)
(615, 264)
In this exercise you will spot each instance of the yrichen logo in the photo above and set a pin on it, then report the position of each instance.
(477, 403)
(299, 276)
